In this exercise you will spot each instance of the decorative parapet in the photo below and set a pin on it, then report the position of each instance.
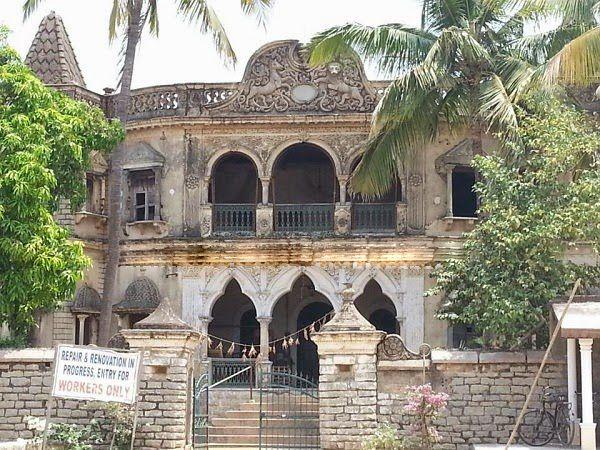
(392, 348)
(277, 80)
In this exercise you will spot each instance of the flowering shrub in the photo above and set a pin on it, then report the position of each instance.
(423, 406)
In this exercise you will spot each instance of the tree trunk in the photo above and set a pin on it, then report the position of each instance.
(115, 175)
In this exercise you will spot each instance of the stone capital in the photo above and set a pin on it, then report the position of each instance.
(264, 320)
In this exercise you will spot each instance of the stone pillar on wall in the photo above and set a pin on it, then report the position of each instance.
(165, 393)
(347, 347)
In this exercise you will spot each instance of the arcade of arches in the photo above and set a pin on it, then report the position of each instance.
(234, 319)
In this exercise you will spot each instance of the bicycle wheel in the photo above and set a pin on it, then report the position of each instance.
(537, 428)
(565, 428)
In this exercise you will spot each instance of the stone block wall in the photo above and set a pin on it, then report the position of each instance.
(486, 392)
(25, 383)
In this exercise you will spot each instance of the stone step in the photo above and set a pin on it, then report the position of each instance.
(255, 421)
(254, 439)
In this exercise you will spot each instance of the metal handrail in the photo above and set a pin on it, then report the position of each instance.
(250, 368)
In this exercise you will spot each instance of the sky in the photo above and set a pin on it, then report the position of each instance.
(181, 54)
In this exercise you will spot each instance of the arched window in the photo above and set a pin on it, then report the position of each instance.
(304, 190)
(295, 310)
(376, 214)
(464, 199)
(377, 308)
(234, 319)
(233, 192)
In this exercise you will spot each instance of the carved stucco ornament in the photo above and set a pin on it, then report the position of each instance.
(392, 348)
(278, 79)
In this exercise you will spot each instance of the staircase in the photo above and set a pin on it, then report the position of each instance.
(235, 422)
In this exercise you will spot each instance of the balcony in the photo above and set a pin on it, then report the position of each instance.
(374, 217)
(235, 219)
(307, 218)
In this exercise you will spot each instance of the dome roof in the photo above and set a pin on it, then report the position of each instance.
(140, 296)
(87, 300)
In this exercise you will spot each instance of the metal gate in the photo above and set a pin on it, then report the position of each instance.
(289, 412)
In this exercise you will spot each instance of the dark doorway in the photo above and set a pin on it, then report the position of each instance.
(464, 199)
(304, 174)
(383, 320)
(234, 181)
(377, 308)
(308, 358)
(228, 325)
(249, 328)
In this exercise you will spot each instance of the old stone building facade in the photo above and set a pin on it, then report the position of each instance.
(236, 205)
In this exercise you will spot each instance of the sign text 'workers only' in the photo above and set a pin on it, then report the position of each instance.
(91, 373)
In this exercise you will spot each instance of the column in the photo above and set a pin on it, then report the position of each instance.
(588, 427)
(572, 377)
(400, 321)
(265, 189)
(264, 335)
(343, 181)
(81, 319)
(94, 330)
(449, 169)
(204, 322)
(157, 187)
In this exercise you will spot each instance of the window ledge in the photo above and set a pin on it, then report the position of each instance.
(90, 219)
(147, 229)
(449, 221)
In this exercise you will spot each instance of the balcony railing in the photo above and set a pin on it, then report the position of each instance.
(374, 217)
(234, 218)
(307, 218)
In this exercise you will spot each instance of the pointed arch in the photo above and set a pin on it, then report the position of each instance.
(387, 285)
(218, 283)
(284, 281)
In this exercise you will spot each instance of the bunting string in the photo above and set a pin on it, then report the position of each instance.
(285, 342)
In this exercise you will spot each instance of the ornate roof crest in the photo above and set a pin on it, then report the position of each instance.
(278, 79)
(51, 56)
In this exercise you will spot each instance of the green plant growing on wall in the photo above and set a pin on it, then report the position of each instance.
(385, 437)
(45, 144)
(535, 205)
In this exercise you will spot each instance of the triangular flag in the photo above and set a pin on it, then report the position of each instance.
(285, 344)
(306, 334)
(252, 352)
(297, 342)
(231, 349)
(220, 346)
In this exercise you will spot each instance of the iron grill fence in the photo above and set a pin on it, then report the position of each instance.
(234, 218)
(222, 368)
(307, 218)
(373, 217)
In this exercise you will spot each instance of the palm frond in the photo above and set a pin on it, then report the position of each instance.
(496, 107)
(257, 8)
(199, 11)
(151, 15)
(578, 62)
(393, 47)
(574, 12)
(537, 48)
(455, 45)
(438, 15)
(29, 7)
(119, 16)
(397, 136)
(518, 75)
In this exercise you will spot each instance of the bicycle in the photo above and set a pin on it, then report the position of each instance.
(540, 426)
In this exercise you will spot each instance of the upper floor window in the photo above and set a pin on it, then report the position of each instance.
(376, 214)
(233, 192)
(304, 190)
(464, 199)
(143, 195)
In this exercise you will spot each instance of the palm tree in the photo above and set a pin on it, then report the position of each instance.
(468, 64)
(127, 19)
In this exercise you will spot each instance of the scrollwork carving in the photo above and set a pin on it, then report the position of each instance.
(279, 80)
(392, 348)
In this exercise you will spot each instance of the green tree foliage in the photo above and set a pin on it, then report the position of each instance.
(45, 142)
(533, 210)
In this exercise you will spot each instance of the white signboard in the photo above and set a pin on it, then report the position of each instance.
(91, 373)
